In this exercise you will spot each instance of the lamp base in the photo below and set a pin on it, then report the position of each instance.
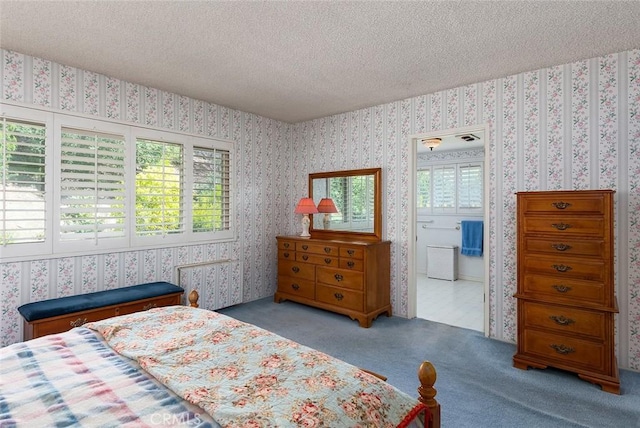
(305, 226)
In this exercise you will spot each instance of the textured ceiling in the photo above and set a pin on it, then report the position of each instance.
(295, 61)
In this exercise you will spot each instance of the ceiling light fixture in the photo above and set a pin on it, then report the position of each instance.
(431, 143)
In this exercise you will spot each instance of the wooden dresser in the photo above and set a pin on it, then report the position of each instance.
(566, 296)
(348, 277)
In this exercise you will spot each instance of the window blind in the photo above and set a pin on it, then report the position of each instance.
(22, 192)
(92, 185)
(470, 186)
(424, 189)
(210, 192)
(444, 187)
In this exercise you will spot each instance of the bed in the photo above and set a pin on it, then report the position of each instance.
(184, 366)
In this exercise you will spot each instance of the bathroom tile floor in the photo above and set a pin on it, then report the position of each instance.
(459, 303)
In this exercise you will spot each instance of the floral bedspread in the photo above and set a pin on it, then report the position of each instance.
(245, 376)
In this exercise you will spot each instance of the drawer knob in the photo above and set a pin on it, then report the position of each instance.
(295, 269)
(562, 349)
(327, 250)
(327, 261)
(561, 247)
(561, 226)
(561, 288)
(286, 255)
(286, 245)
(305, 257)
(78, 323)
(351, 264)
(305, 247)
(562, 268)
(338, 277)
(149, 306)
(338, 296)
(295, 287)
(561, 205)
(561, 320)
(351, 252)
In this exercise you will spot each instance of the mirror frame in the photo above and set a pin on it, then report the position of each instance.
(374, 236)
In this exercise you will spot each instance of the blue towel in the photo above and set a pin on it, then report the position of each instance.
(472, 238)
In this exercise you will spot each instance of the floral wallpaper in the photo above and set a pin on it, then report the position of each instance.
(571, 126)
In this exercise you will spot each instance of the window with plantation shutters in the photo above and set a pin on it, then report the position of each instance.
(211, 194)
(444, 188)
(450, 189)
(470, 187)
(159, 185)
(92, 186)
(74, 185)
(23, 219)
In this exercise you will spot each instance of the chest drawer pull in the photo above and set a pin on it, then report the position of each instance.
(305, 257)
(286, 245)
(351, 264)
(338, 296)
(295, 286)
(78, 323)
(561, 205)
(295, 269)
(286, 255)
(562, 268)
(562, 349)
(338, 277)
(561, 288)
(149, 306)
(561, 320)
(305, 247)
(327, 261)
(327, 250)
(561, 226)
(351, 252)
(561, 247)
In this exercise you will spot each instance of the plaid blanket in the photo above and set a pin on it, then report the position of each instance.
(74, 379)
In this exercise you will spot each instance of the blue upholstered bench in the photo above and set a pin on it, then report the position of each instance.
(61, 314)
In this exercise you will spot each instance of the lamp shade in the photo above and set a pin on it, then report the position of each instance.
(306, 206)
(326, 205)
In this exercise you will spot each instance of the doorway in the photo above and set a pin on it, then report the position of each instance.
(436, 226)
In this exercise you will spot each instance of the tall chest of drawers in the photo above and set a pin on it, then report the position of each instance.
(351, 278)
(566, 296)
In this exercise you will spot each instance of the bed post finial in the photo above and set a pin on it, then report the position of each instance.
(427, 375)
(193, 298)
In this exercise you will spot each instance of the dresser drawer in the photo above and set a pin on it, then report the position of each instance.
(565, 289)
(286, 254)
(572, 351)
(296, 269)
(348, 299)
(317, 259)
(563, 319)
(339, 277)
(561, 226)
(566, 267)
(297, 286)
(352, 264)
(561, 204)
(352, 252)
(571, 246)
(317, 248)
(286, 245)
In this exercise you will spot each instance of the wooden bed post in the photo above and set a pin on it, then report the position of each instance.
(193, 298)
(427, 375)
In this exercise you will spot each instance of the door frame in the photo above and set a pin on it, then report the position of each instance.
(412, 289)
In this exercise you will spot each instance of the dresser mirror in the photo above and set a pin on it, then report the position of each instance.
(349, 202)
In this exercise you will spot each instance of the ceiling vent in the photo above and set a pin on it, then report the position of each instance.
(468, 137)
